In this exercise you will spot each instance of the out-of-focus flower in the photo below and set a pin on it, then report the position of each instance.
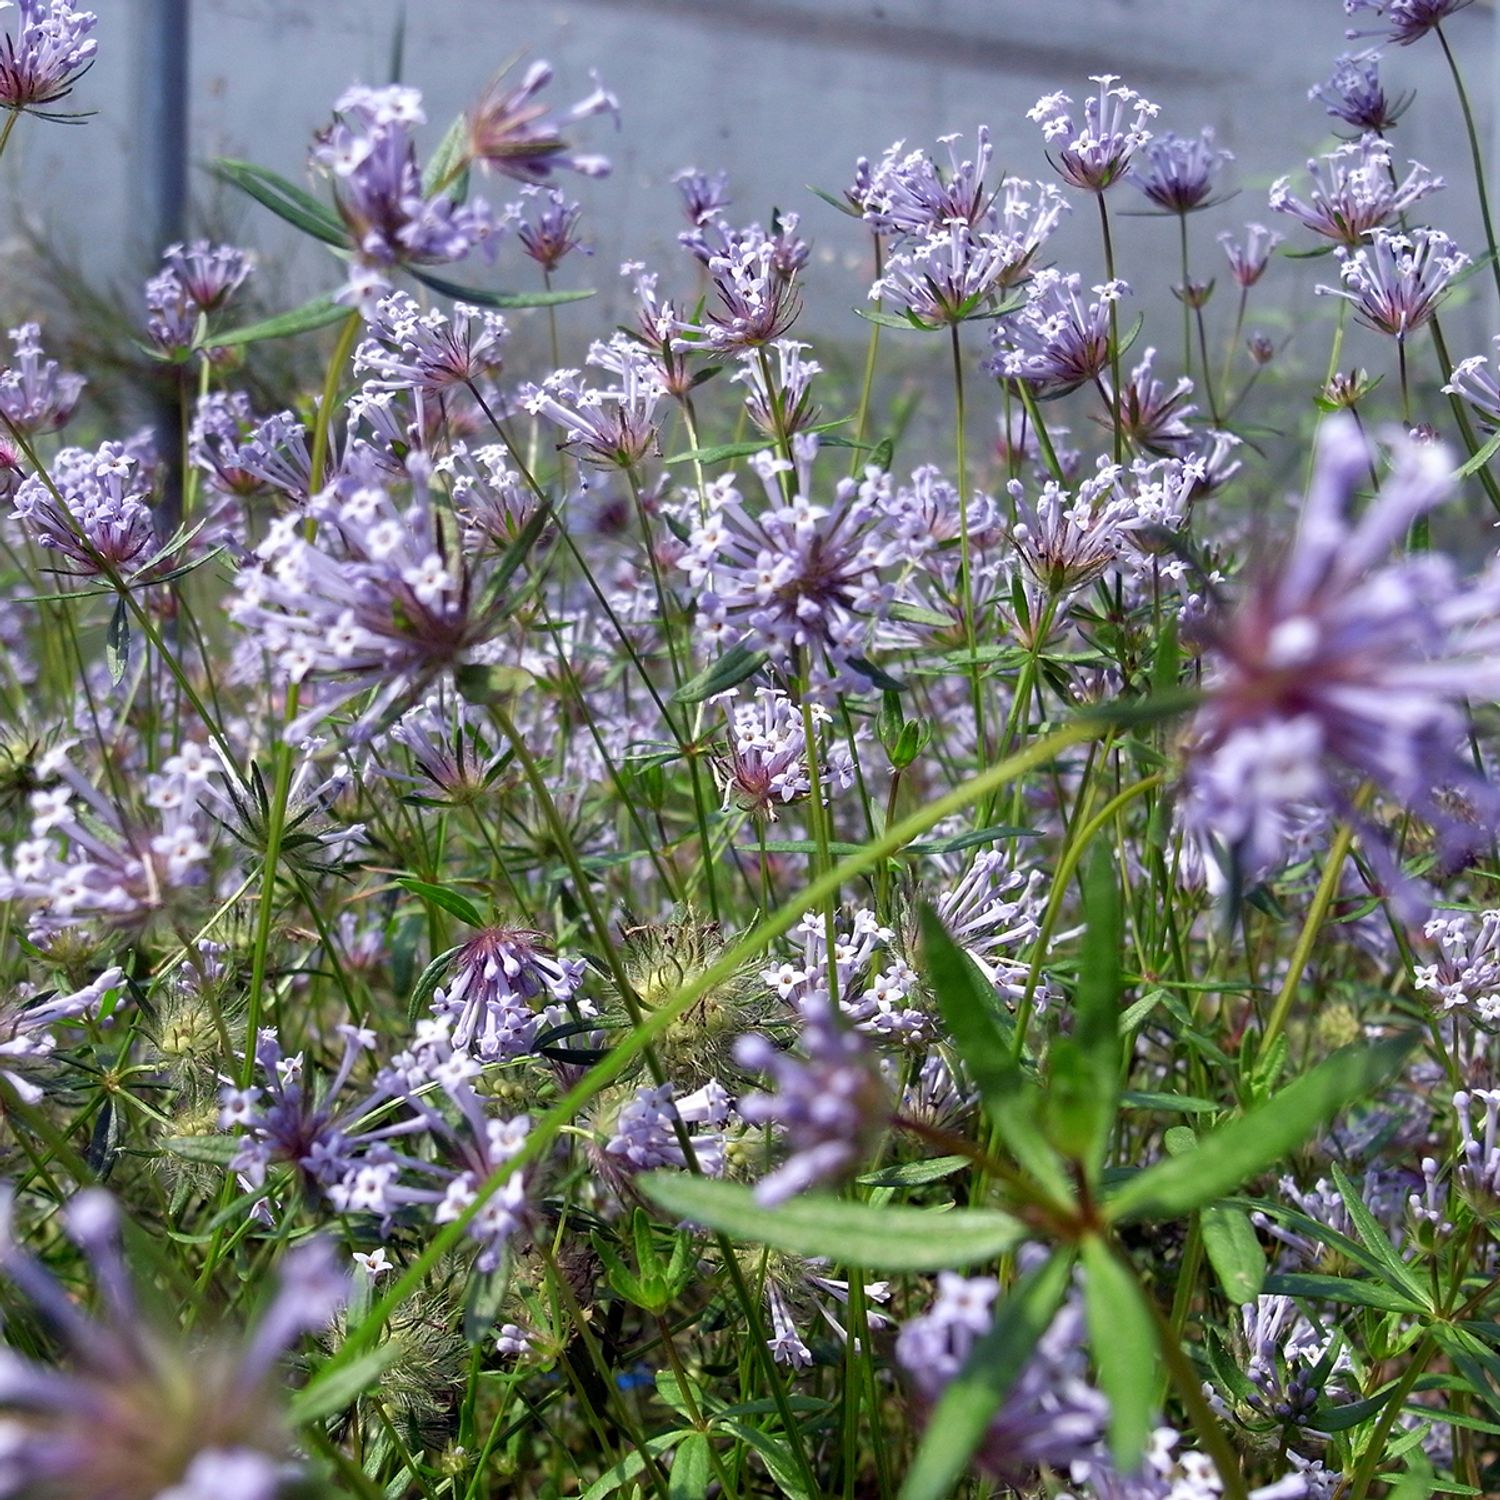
(26, 1036)
(1354, 190)
(1342, 666)
(209, 274)
(1354, 93)
(512, 132)
(704, 196)
(1248, 262)
(1057, 342)
(1051, 1416)
(370, 157)
(46, 54)
(134, 1414)
(99, 519)
(830, 1104)
(1093, 155)
(644, 1136)
(550, 233)
(36, 394)
(1177, 172)
(1397, 281)
(1404, 21)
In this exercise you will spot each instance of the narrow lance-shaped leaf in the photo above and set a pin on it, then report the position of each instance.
(318, 313)
(1122, 1333)
(285, 199)
(995, 1363)
(887, 1238)
(440, 896)
(1257, 1140)
(966, 1001)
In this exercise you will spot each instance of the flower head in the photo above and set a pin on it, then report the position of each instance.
(1248, 262)
(1354, 190)
(1473, 381)
(907, 193)
(1405, 21)
(550, 232)
(36, 395)
(46, 54)
(1057, 341)
(1397, 281)
(511, 132)
(613, 426)
(1343, 666)
(1177, 172)
(96, 512)
(704, 196)
(1094, 154)
(1354, 93)
(754, 278)
(137, 1415)
(409, 349)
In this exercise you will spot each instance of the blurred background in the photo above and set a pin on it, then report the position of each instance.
(782, 93)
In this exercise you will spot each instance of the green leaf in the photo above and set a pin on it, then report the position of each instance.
(731, 669)
(117, 642)
(775, 1455)
(1479, 459)
(1259, 1139)
(344, 1385)
(1172, 1104)
(966, 1001)
(976, 836)
(690, 1469)
(995, 1363)
(915, 1173)
(1122, 1333)
(1343, 1290)
(318, 313)
(1394, 1271)
(481, 298)
(443, 166)
(886, 1238)
(1233, 1251)
(427, 982)
(721, 451)
(632, 1464)
(440, 896)
(1096, 1026)
(285, 199)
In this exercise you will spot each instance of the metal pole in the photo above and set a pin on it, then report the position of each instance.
(161, 113)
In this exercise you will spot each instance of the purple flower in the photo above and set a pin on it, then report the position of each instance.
(765, 768)
(36, 395)
(1354, 94)
(379, 597)
(645, 1130)
(1177, 173)
(992, 912)
(830, 1105)
(1466, 973)
(511, 131)
(796, 575)
(372, 161)
(222, 421)
(1248, 262)
(1405, 21)
(949, 273)
(138, 1414)
(753, 276)
(99, 519)
(907, 193)
(704, 197)
(409, 349)
(449, 747)
(46, 54)
(612, 427)
(1479, 1155)
(497, 979)
(1397, 281)
(550, 234)
(26, 1036)
(1473, 381)
(209, 274)
(785, 406)
(1152, 414)
(1095, 154)
(1354, 190)
(1341, 666)
(1057, 342)
(1051, 1416)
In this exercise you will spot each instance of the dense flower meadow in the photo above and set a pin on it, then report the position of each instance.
(607, 925)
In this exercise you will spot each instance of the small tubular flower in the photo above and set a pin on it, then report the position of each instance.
(511, 132)
(46, 54)
(36, 394)
(1354, 190)
(1096, 153)
(1058, 341)
(1398, 281)
(1354, 93)
(1177, 172)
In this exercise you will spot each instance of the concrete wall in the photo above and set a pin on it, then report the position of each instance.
(782, 92)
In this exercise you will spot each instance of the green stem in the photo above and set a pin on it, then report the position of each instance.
(1114, 333)
(1474, 152)
(965, 566)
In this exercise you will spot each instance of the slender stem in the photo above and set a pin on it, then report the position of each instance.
(872, 347)
(1474, 152)
(10, 124)
(1187, 311)
(1114, 332)
(965, 566)
(1328, 885)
